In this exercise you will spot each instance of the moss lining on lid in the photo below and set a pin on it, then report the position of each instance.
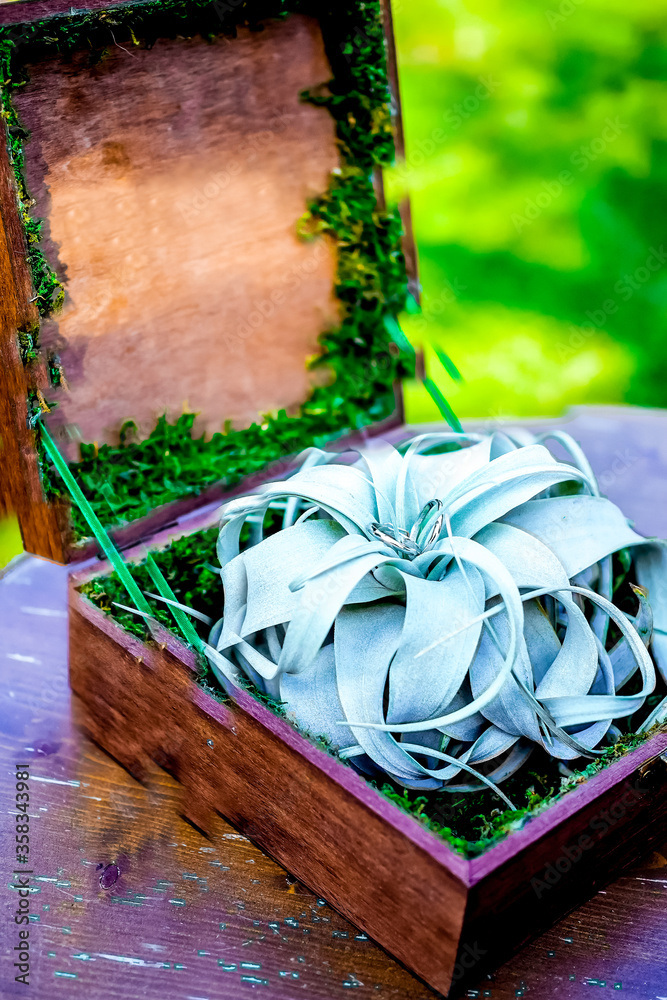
(126, 481)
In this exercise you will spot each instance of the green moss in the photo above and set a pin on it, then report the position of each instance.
(189, 565)
(49, 291)
(361, 362)
(471, 823)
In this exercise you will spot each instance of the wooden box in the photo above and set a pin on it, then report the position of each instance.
(444, 916)
(169, 161)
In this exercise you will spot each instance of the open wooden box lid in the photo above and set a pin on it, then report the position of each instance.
(170, 169)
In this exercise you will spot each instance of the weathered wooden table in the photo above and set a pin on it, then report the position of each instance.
(197, 919)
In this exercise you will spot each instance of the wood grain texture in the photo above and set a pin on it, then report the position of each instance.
(25, 11)
(171, 181)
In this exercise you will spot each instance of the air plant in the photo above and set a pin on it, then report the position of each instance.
(437, 613)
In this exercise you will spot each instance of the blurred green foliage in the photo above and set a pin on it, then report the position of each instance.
(10, 539)
(537, 168)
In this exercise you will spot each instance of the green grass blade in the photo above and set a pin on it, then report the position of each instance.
(105, 543)
(448, 364)
(445, 409)
(187, 629)
(397, 335)
(412, 307)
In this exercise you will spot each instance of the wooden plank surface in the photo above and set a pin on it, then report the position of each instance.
(226, 919)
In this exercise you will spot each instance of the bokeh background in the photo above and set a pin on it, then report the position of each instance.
(10, 539)
(536, 135)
